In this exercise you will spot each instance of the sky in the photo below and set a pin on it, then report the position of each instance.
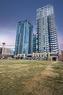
(12, 11)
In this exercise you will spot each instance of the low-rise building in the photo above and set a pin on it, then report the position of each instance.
(61, 55)
(5, 52)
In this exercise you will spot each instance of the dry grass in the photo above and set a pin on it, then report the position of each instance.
(23, 77)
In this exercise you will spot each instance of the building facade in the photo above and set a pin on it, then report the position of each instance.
(46, 30)
(23, 43)
(34, 43)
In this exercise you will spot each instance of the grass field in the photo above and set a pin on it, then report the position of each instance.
(23, 77)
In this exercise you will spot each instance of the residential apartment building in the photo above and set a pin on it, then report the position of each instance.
(23, 43)
(46, 30)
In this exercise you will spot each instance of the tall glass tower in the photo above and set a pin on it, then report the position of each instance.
(46, 30)
(23, 43)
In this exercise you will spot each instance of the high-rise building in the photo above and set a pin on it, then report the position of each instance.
(23, 43)
(34, 42)
(46, 30)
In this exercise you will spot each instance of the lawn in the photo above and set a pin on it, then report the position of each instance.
(23, 77)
